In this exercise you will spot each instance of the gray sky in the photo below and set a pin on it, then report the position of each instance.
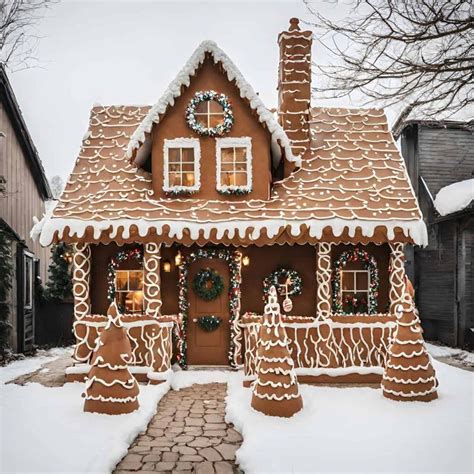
(127, 52)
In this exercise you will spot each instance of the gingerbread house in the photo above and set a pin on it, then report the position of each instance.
(187, 211)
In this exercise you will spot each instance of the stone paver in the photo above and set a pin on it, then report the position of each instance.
(187, 434)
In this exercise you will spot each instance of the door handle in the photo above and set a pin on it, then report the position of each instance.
(195, 320)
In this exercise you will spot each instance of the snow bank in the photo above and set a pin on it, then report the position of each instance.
(454, 197)
(446, 351)
(31, 364)
(358, 430)
(184, 379)
(45, 429)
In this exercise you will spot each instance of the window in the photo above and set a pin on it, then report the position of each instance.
(28, 281)
(234, 164)
(210, 113)
(129, 290)
(181, 165)
(355, 290)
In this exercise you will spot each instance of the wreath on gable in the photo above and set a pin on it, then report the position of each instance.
(278, 279)
(221, 128)
(208, 284)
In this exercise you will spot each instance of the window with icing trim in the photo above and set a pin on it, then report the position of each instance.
(210, 113)
(234, 165)
(129, 290)
(181, 165)
(355, 288)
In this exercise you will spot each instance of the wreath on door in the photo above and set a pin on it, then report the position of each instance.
(208, 284)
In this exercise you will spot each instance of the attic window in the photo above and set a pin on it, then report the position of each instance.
(234, 165)
(210, 113)
(181, 166)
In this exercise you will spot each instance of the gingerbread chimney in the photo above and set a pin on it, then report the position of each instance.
(294, 87)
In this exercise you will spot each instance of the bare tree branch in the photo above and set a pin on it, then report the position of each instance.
(419, 52)
(18, 39)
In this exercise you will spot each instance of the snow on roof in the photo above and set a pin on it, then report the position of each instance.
(279, 137)
(455, 197)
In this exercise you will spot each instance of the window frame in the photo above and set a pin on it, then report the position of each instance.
(355, 291)
(128, 290)
(191, 143)
(208, 113)
(233, 142)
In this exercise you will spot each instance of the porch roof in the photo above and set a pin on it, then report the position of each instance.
(352, 186)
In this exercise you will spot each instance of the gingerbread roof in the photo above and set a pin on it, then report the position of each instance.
(279, 138)
(352, 185)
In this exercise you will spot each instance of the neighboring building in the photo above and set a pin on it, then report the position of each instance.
(191, 209)
(27, 190)
(438, 154)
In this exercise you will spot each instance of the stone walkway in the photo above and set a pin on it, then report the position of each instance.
(188, 434)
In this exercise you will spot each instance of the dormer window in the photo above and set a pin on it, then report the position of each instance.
(234, 165)
(209, 113)
(181, 166)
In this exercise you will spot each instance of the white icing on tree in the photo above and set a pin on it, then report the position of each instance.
(275, 391)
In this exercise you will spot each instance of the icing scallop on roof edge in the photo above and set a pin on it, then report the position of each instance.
(46, 229)
(279, 138)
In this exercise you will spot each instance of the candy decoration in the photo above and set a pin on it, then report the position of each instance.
(287, 305)
(110, 387)
(287, 282)
(275, 391)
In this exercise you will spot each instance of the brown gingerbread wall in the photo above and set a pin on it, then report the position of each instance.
(246, 124)
(263, 260)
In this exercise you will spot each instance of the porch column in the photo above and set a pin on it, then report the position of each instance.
(397, 275)
(152, 279)
(323, 278)
(81, 280)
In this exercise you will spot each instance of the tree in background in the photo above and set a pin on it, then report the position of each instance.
(6, 276)
(17, 37)
(59, 285)
(56, 184)
(417, 52)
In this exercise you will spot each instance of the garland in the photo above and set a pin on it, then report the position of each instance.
(208, 284)
(233, 258)
(198, 127)
(136, 253)
(278, 278)
(209, 323)
(234, 191)
(370, 263)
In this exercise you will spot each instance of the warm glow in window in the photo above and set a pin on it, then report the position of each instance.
(129, 290)
(209, 113)
(181, 164)
(234, 164)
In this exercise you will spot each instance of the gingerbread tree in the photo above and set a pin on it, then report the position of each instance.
(110, 387)
(275, 391)
(409, 375)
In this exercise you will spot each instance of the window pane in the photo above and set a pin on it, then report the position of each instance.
(215, 108)
(240, 154)
(226, 179)
(362, 279)
(188, 167)
(175, 179)
(227, 166)
(202, 107)
(241, 166)
(137, 301)
(175, 168)
(188, 179)
(188, 155)
(214, 120)
(347, 280)
(120, 298)
(121, 278)
(135, 280)
(227, 155)
(240, 179)
(173, 155)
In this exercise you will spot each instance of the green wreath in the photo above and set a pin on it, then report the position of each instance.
(208, 284)
(198, 127)
(209, 323)
(278, 279)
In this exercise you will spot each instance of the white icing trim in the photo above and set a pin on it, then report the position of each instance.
(192, 143)
(279, 137)
(416, 229)
(128, 385)
(233, 142)
(100, 398)
(410, 394)
(408, 381)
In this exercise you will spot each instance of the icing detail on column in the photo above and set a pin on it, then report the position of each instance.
(323, 276)
(81, 280)
(397, 275)
(151, 282)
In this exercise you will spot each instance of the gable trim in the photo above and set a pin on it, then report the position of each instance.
(280, 140)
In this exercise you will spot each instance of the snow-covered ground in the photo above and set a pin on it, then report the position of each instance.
(339, 430)
(358, 430)
(45, 430)
(453, 352)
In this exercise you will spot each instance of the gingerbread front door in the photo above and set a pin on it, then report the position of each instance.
(208, 347)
